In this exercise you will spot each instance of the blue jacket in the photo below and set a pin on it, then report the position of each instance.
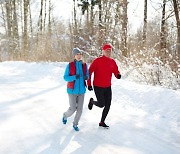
(79, 86)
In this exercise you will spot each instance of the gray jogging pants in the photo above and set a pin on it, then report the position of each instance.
(76, 104)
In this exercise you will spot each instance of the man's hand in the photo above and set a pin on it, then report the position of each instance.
(118, 76)
(90, 88)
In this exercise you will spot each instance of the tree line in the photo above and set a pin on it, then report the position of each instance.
(44, 37)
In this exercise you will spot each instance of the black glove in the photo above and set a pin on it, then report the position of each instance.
(85, 77)
(90, 88)
(77, 76)
(118, 76)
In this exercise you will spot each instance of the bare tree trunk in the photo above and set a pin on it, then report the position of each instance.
(25, 33)
(45, 13)
(8, 19)
(163, 32)
(87, 16)
(92, 19)
(100, 11)
(3, 17)
(49, 20)
(75, 19)
(15, 34)
(100, 35)
(107, 16)
(30, 18)
(75, 30)
(8, 5)
(124, 27)
(4, 24)
(40, 23)
(178, 27)
(21, 10)
(15, 22)
(117, 21)
(40, 18)
(145, 24)
(105, 11)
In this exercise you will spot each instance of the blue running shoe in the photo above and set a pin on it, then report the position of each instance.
(76, 128)
(64, 120)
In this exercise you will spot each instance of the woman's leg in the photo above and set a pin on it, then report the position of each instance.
(80, 102)
(72, 106)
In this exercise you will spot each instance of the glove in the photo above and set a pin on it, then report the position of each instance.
(118, 76)
(90, 88)
(85, 77)
(77, 76)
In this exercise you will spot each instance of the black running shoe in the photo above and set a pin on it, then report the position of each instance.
(90, 105)
(102, 124)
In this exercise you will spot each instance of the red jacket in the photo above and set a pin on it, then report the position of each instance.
(103, 67)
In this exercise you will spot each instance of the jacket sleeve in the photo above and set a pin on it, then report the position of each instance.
(87, 72)
(115, 70)
(68, 77)
(91, 70)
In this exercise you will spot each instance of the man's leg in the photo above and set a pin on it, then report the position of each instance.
(108, 97)
(99, 92)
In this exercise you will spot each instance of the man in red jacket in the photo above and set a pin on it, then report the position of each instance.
(103, 67)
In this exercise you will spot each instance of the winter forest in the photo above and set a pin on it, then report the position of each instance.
(29, 31)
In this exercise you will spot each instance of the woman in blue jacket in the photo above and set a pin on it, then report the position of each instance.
(75, 74)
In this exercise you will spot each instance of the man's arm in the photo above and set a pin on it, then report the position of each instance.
(116, 72)
(91, 70)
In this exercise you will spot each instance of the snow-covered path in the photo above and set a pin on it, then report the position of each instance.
(143, 119)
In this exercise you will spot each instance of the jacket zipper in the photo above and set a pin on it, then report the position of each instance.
(79, 77)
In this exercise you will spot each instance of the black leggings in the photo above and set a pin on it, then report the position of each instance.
(104, 96)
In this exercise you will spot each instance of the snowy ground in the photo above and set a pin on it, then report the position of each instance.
(143, 119)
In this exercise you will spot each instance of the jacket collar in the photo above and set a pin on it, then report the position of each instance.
(77, 61)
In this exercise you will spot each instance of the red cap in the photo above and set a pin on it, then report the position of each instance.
(106, 46)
